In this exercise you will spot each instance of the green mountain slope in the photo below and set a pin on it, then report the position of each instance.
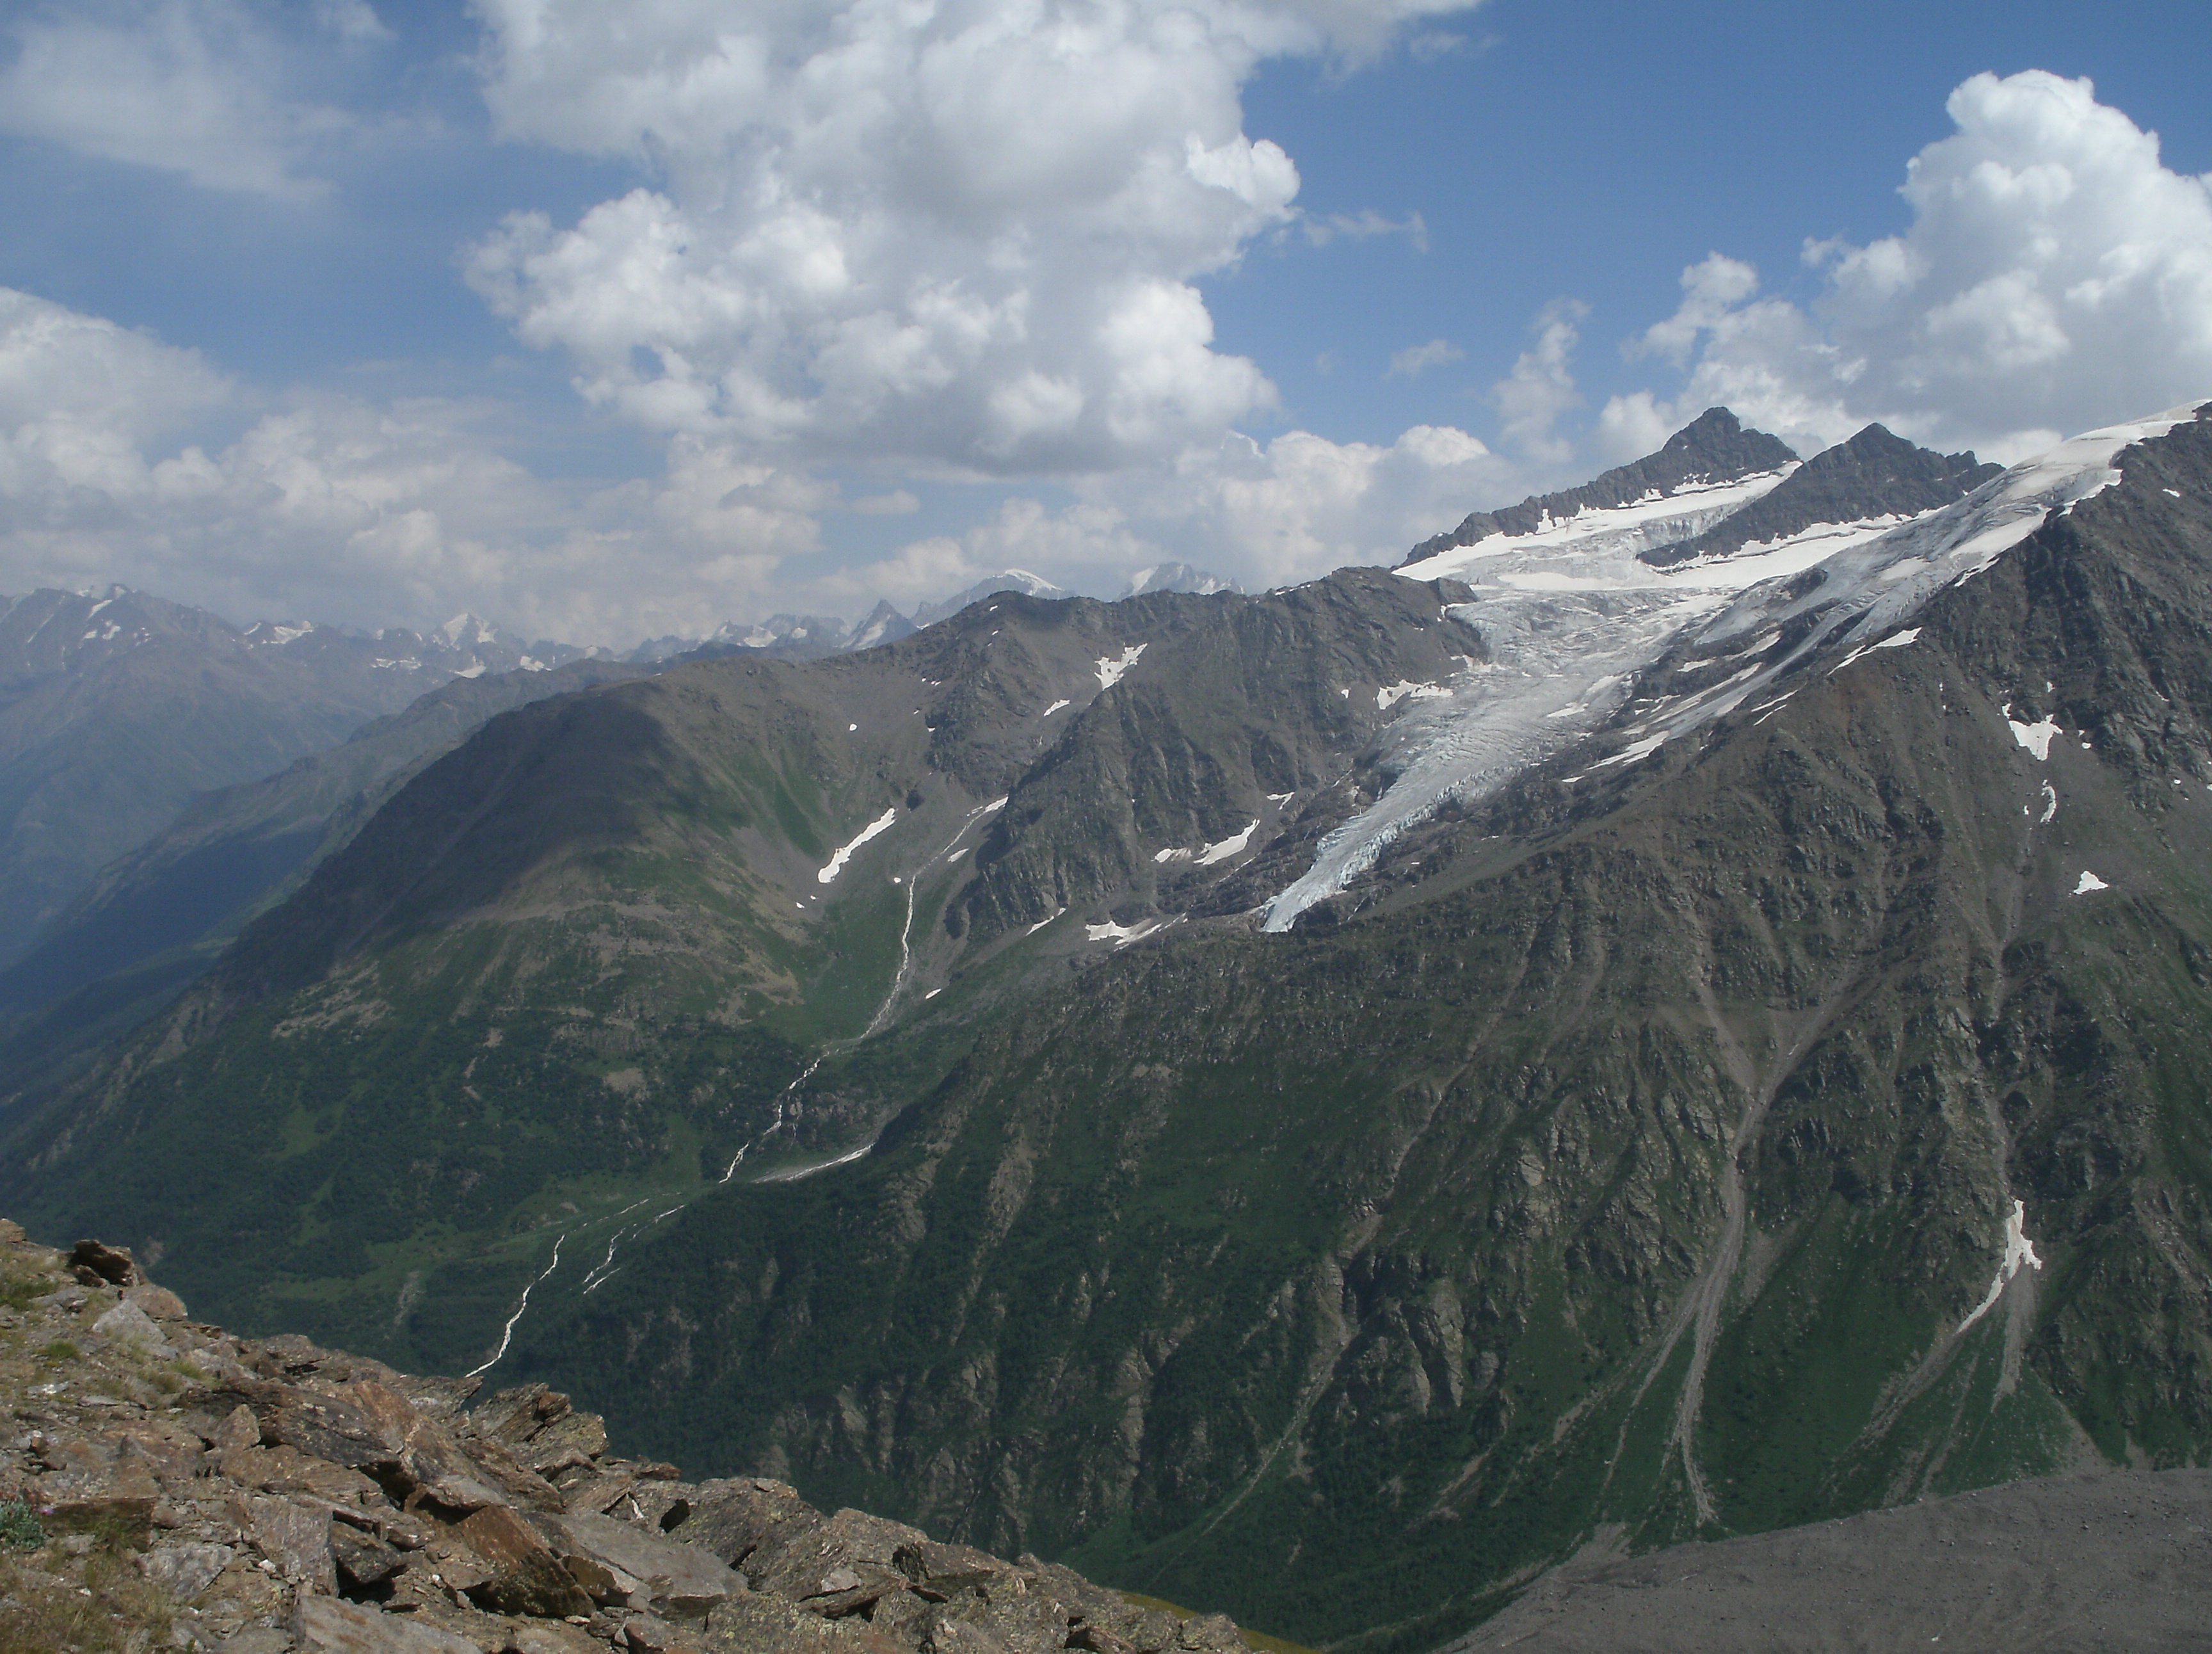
(1639, 1154)
(585, 958)
(870, 1071)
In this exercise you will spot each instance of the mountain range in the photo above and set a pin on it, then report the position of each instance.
(1672, 1014)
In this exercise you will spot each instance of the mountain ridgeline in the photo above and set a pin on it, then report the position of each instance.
(1762, 1085)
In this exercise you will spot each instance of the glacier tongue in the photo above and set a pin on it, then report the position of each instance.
(1558, 666)
(1570, 616)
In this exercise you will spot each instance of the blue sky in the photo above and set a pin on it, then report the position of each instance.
(810, 304)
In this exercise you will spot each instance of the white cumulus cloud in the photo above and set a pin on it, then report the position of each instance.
(2055, 276)
(964, 236)
(1419, 358)
(335, 508)
(198, 88)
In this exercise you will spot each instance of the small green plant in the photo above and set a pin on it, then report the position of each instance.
(19, 1527)
(16, 1292)
(60, 1350)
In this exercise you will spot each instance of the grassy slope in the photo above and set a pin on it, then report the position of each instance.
(577, 963)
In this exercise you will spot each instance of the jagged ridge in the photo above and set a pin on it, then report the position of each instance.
(1713, 448)
(1874, 475)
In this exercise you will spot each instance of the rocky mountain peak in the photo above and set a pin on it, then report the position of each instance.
(1715, 447)
(1874, 477)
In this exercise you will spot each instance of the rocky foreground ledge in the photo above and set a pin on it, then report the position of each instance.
(165, 1484)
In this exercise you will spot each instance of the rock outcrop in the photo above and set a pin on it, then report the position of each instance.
(168, 1484)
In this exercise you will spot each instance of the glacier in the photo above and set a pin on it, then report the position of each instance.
(1572, 617)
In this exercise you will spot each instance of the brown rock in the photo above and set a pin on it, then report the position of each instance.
(287, 1470)
(851, 1551)
(426, 1464)
(363, 1560)
(240, 1593)
(88, 1482)
(943, 1569)
(575, 1439)
(113, 1265)
(171, 1455)
(327, 1625)
(648, 1633)
(333, 1428)
(513, 1416)
(600, 1494)
(527, 1578)
(1096, 1639)
(239, 1428)
(185, 1571)
(1210, 1633)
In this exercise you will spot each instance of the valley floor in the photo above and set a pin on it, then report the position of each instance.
(2118, 1560)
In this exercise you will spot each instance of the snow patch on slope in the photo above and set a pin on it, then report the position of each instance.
(1113, 668)
(2019, 1250)
(2036, 738)
(844, 852)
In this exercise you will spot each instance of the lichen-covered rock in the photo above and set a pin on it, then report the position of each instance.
(293, 1498)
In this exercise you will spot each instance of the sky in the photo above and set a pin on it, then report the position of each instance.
(614, 322)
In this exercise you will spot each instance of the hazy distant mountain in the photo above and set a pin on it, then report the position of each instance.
(1178, 577)
(1332, 1099)
(116, 708)
(190, 886)
(1012, 580)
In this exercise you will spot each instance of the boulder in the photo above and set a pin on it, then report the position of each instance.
(648, 1633)
(126, 1323)
(94, 1263)
(297, 1539)
(527, 1578)
(426, 1464)
(513, 1416)
(362, 1558)
(327, 1625)
(185, 1571)
(755, 1624)
(287, 1470)
(551, 1637)
(323, 1426)
(735, 1519)
(156, 1301)
(574, 1439)
(838, 1565)
(940, 1570)
(614, 1561)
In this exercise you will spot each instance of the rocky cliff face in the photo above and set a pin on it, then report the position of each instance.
(169, 1485)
